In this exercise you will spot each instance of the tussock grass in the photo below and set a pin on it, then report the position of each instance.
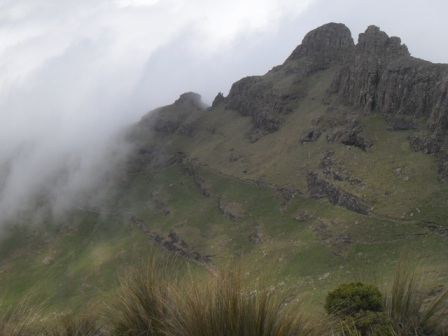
(150, 302)
(410, 305)
(230, 305)
(20, 320)
(156, 299)
(144, 304)
(84, 324)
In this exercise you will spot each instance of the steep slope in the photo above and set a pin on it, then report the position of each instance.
(319, 168)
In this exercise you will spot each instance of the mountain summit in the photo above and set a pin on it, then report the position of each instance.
(327, 167)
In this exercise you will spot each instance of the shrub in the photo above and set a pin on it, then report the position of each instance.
(349, 298)
(360, 308)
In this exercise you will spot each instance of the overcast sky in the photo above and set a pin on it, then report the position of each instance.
(72, 72)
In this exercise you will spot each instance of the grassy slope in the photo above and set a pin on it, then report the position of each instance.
(329, 245)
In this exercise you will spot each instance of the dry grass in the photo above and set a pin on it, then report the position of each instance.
(20, 320)
(143, 305)
(229, 305)
(85, 324)
(151, 303)
(410, 305)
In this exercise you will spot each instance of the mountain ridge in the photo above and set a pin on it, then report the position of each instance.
(319, 167)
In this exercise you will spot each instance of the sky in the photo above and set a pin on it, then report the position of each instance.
(75, 72)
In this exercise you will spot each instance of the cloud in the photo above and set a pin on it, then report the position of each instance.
(73, 73)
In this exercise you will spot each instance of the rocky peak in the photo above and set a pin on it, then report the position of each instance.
(376, 42)
(326, 45)
(382, 76)
(357, 82)
(190, 98)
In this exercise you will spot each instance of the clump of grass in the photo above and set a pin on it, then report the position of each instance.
(20, 320)
(224, 305)
(76, 325)
(412, 309)
(144, 302)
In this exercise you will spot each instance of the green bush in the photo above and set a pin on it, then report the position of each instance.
(349, 298)
(359, 306)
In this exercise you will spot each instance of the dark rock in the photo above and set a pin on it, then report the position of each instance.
(231, 209)
(303, 216)
(358, 81)
(349, 133)
(322, 47)
(255, 237)
(190, 98)
(336, 171)
(218, 99)
(318, 188)
(310, 135)
(400, 123)
(168, 119)
(254, 98)
(382, 76)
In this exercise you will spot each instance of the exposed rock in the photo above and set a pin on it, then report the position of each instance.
(191, 98)
(334, 170)
(400, 123)
(254, 98)
(318, 188)
(349, 133)
(382, 76)
(168, 119)
(357, 82)
(218, 99)
(310, 135)
(48, 260)
(303, 216)
(231, 209)
(173, 244)
(255, 236)
(322, 47)
(203, 187)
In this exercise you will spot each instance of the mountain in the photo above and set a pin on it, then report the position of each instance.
(327, 168)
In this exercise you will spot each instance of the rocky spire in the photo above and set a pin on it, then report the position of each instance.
(358, 81)
(326, 45)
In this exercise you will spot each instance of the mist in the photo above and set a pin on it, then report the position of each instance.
(74, 74)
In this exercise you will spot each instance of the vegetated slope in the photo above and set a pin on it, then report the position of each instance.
(326, 168)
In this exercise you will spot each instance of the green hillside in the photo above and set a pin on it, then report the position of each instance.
(303, 184)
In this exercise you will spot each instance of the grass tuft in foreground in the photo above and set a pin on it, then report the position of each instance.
(230, 305)
(412, 308)
(20, 320)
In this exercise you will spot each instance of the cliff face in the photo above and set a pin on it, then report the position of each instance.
(324, 46)
(259, 98)
(410, 93)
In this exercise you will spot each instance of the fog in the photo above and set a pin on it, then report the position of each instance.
(73, 73)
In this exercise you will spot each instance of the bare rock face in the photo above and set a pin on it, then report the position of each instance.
(252, 97)
(322, 47)
(357, 82)
(169, 119)
(410, 93)
(416, 88)
(318, 188)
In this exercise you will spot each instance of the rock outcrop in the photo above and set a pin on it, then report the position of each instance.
(322, 47)
(410, 93)
(169, 119)
(257, 98)
(253, 97)
(318, 188)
